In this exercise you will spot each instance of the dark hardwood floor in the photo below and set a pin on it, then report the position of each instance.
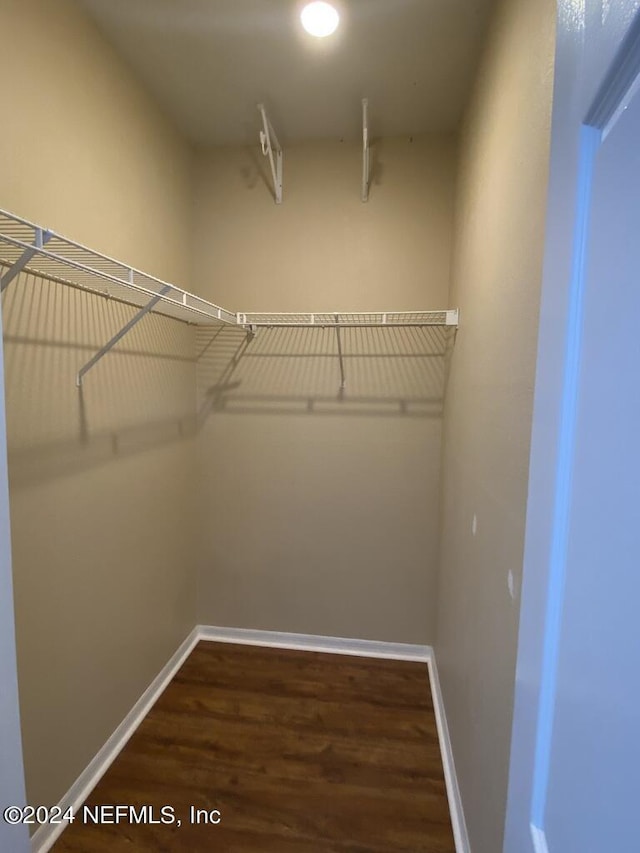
(300, 752)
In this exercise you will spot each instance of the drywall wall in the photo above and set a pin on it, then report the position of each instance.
(100, 482)
(496, 278)
(319, 510)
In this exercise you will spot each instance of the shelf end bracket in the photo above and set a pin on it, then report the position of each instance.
(272, 149)
(41, 237)
(365, 149)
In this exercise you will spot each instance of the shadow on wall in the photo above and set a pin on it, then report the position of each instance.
(392, 372)
(256, 170)
(141, 395)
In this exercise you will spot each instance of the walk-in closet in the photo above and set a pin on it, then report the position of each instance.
(270, 311)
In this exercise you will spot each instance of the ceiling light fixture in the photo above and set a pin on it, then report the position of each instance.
(319, 19)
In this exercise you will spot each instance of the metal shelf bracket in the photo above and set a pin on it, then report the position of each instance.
(117, 337)
(343, 381)
(271, 148)
(40, 238)
(365, 149)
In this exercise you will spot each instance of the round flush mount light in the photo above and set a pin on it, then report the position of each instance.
(319, 19)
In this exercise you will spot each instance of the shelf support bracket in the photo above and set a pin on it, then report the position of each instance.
(270, 147)
(123, 331)
(365, 149)
(343, 381)
(41, 237)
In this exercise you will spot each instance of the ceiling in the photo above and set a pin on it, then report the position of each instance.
(209, 62)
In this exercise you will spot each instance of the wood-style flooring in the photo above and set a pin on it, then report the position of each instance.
(300, 752)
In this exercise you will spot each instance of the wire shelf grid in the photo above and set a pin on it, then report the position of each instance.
(62, 260)
(27, 247)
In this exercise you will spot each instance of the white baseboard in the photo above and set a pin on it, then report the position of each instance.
(47, 834)
(314, 643)
(458, 822)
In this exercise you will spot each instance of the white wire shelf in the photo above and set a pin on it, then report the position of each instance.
(352, 320)
(30, 248)
(46, 254)
(25, 246)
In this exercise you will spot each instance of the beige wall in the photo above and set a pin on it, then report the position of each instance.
(496, 283)
(320, 515)
(101, 503)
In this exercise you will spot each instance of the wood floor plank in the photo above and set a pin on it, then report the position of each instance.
(301, 752)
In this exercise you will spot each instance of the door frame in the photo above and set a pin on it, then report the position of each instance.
(13, 839)
(596, 61)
